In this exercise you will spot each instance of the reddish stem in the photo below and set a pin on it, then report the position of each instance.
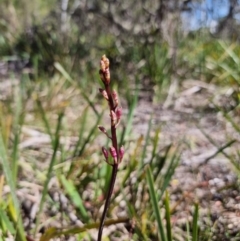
(107, 202)
(114, 167)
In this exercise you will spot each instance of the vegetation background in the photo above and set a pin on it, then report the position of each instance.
(176, 66)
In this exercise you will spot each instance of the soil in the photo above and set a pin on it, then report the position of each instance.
(205, 174)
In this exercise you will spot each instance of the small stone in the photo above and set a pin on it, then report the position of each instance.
(230, 226)
(218, 204)
(222, 220)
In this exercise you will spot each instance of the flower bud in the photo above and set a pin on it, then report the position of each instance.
(106, 61)
(118, 113)
(102, 66)
(121, 153)
(115, 97)
(113, 117)
(107, 76)
(113, 153)
(104, 93)
(102, 129)
(105, 152)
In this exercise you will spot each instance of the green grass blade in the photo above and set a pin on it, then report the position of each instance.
(168, 217)
(188, 231)
(221, 150)
(107, 169)
(81, 131)
(170, 171)
(91, 103)
(155, 144)
(195, 224)
(160, 162)
(132, 107)
(60, 68)
(146, 142)
(6, 224)
(133, 163)
(67, 76)
(45, 120)
(229, 118)
(15, 152)
(10, 180)
(52, 162)
(230, 52)
(154, 202)
(231, 71)
(87, 140)
(91, 133)
(18, 120)
(75, 197)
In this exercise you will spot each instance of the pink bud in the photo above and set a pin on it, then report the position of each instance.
(107, 76)
(104, 93)
(105, 152)
(113, 117)
(102, 66)
(121, 152)
(102, 129)
(106, 62)
(113, 152)
(115, 97)
(118, 113)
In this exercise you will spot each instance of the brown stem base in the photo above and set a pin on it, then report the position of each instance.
(107, 203)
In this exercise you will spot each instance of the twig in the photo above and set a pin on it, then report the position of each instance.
(220, 150)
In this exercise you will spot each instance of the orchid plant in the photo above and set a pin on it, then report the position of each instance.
(116, 152)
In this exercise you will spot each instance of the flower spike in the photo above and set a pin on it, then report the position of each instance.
(115, 152)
